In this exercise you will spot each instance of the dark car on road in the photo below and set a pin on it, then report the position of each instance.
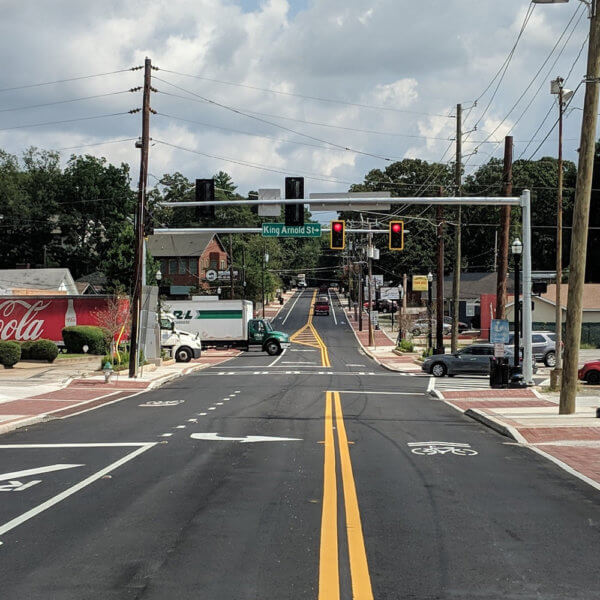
(321, 305)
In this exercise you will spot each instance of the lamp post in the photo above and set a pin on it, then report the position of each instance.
(158, 277)
(581, 211)
(517, 249)
(430, 310)
(556, 87)
(265, 263)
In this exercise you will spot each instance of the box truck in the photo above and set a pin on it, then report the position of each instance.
(182, 345)
(227, 323)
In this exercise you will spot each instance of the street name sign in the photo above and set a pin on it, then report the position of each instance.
(282, 230)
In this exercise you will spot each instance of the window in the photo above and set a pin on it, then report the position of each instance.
(483, 351)
(182, 266)
(467, 351)
(164, 266)
(223, 264)
(538, 339)
(193, 266)
(213, 260)
(172, 266)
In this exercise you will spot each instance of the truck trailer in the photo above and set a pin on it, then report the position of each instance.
(227, 323)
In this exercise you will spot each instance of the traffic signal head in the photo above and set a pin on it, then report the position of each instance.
(205, 192)
(338, 235)
(294, 190)
(396, 241)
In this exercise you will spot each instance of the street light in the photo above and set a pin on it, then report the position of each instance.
(564, 95)
(158, 277)
(265, 263)
(517, 250)
(430, 310)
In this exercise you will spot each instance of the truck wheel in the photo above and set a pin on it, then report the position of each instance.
(183, 354)
(273, 348)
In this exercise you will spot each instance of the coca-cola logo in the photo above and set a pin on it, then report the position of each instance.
(25, 328)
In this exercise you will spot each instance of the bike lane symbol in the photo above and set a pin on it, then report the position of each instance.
(434, 448)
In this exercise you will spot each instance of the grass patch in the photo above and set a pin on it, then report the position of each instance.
(73, 355)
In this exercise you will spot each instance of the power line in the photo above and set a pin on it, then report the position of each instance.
(64, 121)
(316, 98)
(2, 110)
(311, 137)
(32, 85)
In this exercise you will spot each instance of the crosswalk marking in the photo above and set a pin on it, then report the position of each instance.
(461, 383)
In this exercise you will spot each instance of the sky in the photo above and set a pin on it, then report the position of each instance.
(325, 89)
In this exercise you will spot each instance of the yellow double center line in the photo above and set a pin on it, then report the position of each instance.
(329, 578)
(309, 336)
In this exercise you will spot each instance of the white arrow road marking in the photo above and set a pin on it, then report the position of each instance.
(248, 439)
(17, 486)
(27, 472)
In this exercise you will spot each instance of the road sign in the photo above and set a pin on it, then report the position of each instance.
(420, 283)
(211, 275)
(499, 350)
(283, 230)
(499, 331)
(389, 293)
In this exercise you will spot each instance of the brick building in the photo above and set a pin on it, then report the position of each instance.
(185, 259)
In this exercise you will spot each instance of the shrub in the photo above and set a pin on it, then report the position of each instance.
(42, 350)
(427, 352)
(406, 346)
(95, 338)
(26, 350)
(10, 353)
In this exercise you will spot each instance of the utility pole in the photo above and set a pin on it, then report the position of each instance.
(370, 287)
(581, 216)
(138, 283)
(243, 271)
(502, 274)
(360, 298)
(439, 286)
(457, 233)
(556, 373)
(231, 265)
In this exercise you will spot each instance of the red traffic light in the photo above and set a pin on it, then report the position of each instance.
(396, 235)
(337, 226)
(337, 240)
(396, 227)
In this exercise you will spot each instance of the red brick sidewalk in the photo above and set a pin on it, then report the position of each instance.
(570, 441)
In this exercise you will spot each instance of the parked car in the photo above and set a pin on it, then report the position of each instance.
(472, 360)
(386, 306)
(543, 345)
(421, 327)
(461, 326)
(321, 305)
(590, 372)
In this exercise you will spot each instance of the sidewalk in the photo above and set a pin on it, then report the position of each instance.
(531, 419)
(383, 350)
(25, 402)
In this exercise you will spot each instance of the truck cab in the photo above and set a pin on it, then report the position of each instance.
(182, 345)
(261, 333)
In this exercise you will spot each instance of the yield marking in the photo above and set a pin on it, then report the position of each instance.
(38, 471)
(248, 439)
(433, 448)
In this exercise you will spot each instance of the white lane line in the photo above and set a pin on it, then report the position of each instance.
(38, 471)
(192, 420)
(332, 308)
(237, 391)
(212, 408)
(354, 365)
(292, 308)
(202, 414)
(166, 435)
(180, 427)
(92, 445)
(277, 359)
(72, 490)
(219, 404)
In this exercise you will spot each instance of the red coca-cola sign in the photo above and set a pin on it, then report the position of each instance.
(26, 318)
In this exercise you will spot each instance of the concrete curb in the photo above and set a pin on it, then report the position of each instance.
(507, 430)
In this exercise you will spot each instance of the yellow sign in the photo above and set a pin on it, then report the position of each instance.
(420, 283)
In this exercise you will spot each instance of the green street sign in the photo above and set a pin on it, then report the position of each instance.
(283, 230)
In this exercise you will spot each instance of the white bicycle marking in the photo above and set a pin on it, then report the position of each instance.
(433, 448)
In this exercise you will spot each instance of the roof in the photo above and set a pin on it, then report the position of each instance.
(472, 285)
(96, 278)
(184, 244)
(40, 279)
(591, 295)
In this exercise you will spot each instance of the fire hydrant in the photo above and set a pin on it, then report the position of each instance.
(108, 372)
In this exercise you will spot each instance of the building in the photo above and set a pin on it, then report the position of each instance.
(28, 282)
(185, 260)
(94, 283)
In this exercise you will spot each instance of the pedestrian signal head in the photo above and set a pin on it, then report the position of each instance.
(396, 241)
(338, 235)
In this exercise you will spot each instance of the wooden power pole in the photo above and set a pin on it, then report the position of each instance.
(502, 274)
(457, 233)
(139, 224)
(581, 217)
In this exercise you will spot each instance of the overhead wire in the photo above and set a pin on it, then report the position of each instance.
(30, 125)
(17, 108)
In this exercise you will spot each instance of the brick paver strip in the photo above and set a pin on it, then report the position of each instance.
(32, 407)
(584, 460)
(464, 394)
(71, 393)
(535, 435)
(113, 385)
(466, 404)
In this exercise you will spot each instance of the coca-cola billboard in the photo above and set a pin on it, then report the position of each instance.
(24, 318)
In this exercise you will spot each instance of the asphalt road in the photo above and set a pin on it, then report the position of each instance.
(142, 502)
